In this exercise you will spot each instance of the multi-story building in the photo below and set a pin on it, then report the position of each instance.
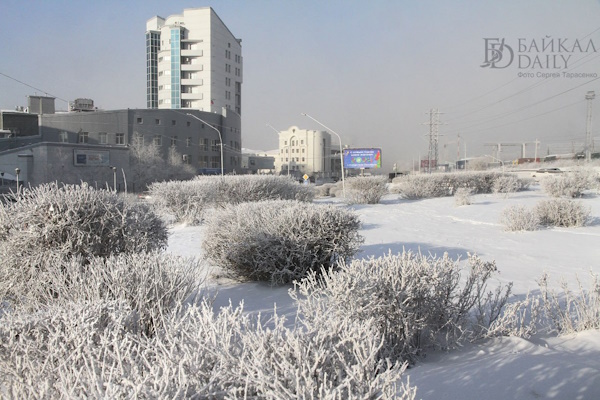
(303, 151)
(193, 61)
(75, 146)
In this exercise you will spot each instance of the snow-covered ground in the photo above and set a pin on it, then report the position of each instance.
(543, 367)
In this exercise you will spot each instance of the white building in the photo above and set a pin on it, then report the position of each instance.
(193, 61)
(308, 152)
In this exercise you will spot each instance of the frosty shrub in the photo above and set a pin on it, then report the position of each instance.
(562, 212)
(77, 220)
(571, 312)
(89, 350)
(150, 283)
(79, 351)
(462, 196)
(424, 186)
(507, 183)
(280, 241)
(323, 190)
(519, 318)
(570, 184)
(519, 218)
(366, 189)
(336, 190)
(413, 301)
(188, 201)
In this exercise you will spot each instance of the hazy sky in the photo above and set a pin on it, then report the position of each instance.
(368, 70)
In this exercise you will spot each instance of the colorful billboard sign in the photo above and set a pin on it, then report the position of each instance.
(362, 158)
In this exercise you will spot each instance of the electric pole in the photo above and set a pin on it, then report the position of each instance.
(588, 137)
(434, 121)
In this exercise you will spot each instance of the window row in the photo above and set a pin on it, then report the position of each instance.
(84, 137)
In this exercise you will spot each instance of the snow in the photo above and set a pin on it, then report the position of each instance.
(543, 367)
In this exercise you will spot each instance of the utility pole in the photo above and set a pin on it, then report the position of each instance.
(434, 121)
(588, 137)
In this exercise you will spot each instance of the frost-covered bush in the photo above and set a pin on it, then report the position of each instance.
(150, 283)
(462, 196)
(505, 184)
(92, 350)
(444, 184)
(413, 301)
(188, 201)
(280, 241)
(336, 190)
(570, 184)
(519, 218)
(562, 212)
(76, 220)
(366, 189)
(323, 190)
(571, 312)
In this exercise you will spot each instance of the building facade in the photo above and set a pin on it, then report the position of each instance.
(193, 61)
(303, 151)
(70, 147)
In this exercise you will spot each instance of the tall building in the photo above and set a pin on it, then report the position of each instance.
(193, 61)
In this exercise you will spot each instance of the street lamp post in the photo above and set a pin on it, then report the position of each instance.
(17, 171)
(341, 151)
(114, 170)
(279, 134)
(220, 137)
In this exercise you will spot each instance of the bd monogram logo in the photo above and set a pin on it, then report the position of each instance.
(497, 53)
(547, 56)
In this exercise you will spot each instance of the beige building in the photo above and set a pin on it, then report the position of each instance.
(303, 151)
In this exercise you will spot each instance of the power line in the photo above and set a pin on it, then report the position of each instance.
(33, 87)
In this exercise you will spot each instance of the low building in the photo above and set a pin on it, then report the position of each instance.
(70, 147)
(256, 162)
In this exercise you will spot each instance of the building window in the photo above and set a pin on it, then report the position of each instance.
(173, 141)
(120, 138)
(215, 145)
(82, 137)
(157, 121)
(173, 122)
(187, 159)
(64, 136)
(140, 120)
(157, 140)
(103, 138)
(189, 123)
(188, 142)
(203, 144)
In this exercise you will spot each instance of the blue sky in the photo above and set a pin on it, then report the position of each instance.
(368, 70)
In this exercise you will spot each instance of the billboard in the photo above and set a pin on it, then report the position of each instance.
(362, 158)
(91, 158)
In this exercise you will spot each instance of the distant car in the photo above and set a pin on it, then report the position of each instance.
(543, 171)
